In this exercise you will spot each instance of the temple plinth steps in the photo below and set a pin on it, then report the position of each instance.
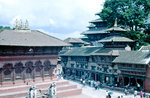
(64, 89)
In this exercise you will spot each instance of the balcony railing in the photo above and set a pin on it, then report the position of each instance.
(133, 69)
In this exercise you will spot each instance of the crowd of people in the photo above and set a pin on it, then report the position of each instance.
(97, 85)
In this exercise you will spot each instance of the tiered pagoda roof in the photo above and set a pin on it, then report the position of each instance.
(75, 40)
(95, 31)
(116, 39)
(116, 28)
(97, 26)
(96, 20)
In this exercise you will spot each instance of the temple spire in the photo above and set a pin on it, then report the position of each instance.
(115, 24)
(16, 24)
(21, 25)
(26, 24)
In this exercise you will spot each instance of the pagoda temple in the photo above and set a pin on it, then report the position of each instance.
(114, 38)
(114, 63)
(96, 30)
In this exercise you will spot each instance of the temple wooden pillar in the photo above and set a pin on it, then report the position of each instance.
(1, 76)
(33, 74)
(42, 73)
(13, 75)
(24, 74)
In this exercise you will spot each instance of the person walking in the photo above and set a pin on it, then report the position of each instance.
(81, 80)
(95, 85)
(92, 83)
(83, 83)
(135, 94)
(141, 94)
(106, 94)
(125, 91)
(144, 94)
(99, 84)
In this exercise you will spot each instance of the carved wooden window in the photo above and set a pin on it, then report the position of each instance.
(38, 68)
(7, 71)
(47, 66)
(18, 70)
(29, 68)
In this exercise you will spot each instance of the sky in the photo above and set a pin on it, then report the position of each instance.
(59, 18)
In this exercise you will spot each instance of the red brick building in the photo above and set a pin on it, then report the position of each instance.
(27, 55)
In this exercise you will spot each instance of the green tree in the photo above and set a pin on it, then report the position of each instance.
(4, 27)
(131, 14)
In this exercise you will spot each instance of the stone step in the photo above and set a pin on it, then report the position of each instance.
(29, 81)
(26, 87)
(69, 92)
(60, 94)
(64, 88)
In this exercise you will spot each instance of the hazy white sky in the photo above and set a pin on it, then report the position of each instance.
(59, 18)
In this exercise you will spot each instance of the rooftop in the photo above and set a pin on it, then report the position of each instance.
(116, 39)
(28, 38)
(106, 52)
(97, 20)
(116, 28)
(81, 51)
(133, 57)
(75, 40)
(144, 48)
(95, 31)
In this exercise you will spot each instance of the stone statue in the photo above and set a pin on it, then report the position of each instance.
(32, 92)
(52, 91)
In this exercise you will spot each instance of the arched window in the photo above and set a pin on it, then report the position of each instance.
(18, 70)
(7, 71)
(38, 68)
(29, 68)
(47, 66)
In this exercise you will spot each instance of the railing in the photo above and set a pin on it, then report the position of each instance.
(133, 69)
(25, 53)
(133, 74)
(116, 46)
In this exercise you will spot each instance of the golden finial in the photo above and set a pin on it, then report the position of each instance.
(115, 24)
(21, 24)
(26, 24)
(16, 24)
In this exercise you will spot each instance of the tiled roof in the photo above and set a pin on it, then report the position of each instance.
(28, 38)
(81, 51)
(75, 40)
(145, 48)
(115, 29)
(95, 31)
(106, 52)
(133, 57)
(115, 39)
(97, 20)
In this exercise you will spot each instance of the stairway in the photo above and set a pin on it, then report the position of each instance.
(63, 87)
